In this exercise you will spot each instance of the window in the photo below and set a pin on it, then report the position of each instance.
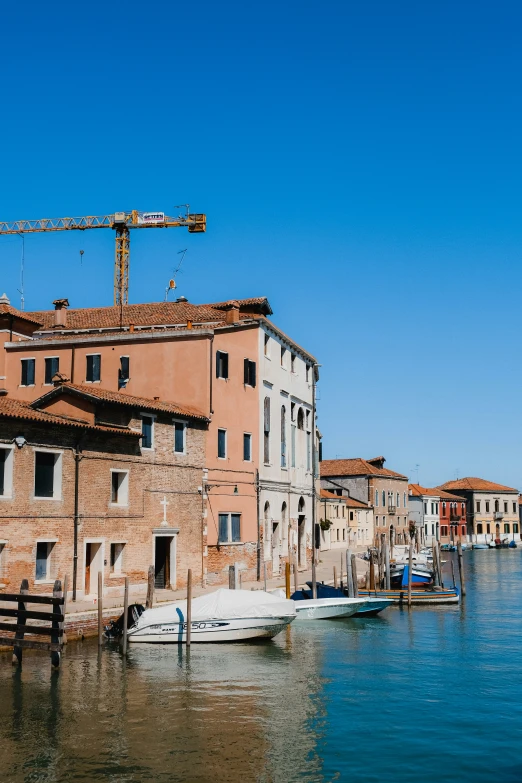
(463, 507)
(266, 430)
(43, 571)
(120, 487)
(377, 521)
(229, 528)
(384, 498)
(124, 372)
(300, 419)
(307, 373)
(27, 378)
(338, 538)
(147, 432)
(487, 506)
(398, 499)
(507, 527)
(496, 505)
(292, 362)
(221, 364)
(52, 364)
(93, 368)
(283, 436)
(426, 530)
(180, 437)
(344, 534)
(267, 346)
(433, 508)
(404, 500)
(309, 451)
(425, 508)
(505, 507)
(283, 357)
(479, 528)
(384, 521)
(247, 447)
(250, 373)
(48, 475)
(6, 472)
(488, 528)
(3, 554)
(515, 527)
(463, 530)
(292, 433)
(351, 516)
(117, 558)
(478, 506)
(514, 508)
(444, 530)
(444, 509)
(222, 444)
(376, 497)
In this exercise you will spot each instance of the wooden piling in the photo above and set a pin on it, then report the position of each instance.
(349, 576)
(387, 576)
(55, 632)
(150, 588)
(461, 569)
(295, 576)
(189, 607)
(287, 580)
(453, 573)
(372, 572)
(314, 578)
(335, 577)
(100, 608)
(353, 560)
(410, 567)
(125, 614)
(341, 574)
(439, 558)
(436, 578)
(17, 651)
(264, 576)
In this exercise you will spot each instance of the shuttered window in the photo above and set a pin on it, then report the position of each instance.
(179, 437)
(124, 371)
(147, 429)
(222, 444)
(247, 447)
(229, 528)
(221, 364)
(27, 378)
(283, 436)
(266, 426)
(93, 373)
(249, 373)
(44, 474)
(52, 364)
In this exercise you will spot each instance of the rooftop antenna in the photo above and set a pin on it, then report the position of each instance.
(172, 283)
(21, 289)
(81, 257)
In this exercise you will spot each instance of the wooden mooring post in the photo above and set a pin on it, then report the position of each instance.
(372, 572)
(353, 560)
(387, 575)
(189, 606)
(100, 608)
(21, 629)
(150, 588)
(349, 575)
(335, 577)
(410, 567)
(125, 614)
(461, 569)
(295, 577)
(288, 588)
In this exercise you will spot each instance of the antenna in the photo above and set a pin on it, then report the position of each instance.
(22, 265)
(170, 287)
(172, 283)
(81, 257)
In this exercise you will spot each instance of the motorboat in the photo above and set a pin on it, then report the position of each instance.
(481, 546)
(420, 575)
(371, 607)
(222, 616)
(326, 608)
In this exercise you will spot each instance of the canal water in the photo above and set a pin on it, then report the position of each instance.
(426, 695)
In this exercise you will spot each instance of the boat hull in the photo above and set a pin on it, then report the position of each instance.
(373, 607)
(327, 608)
(418, 597)
(211, 631)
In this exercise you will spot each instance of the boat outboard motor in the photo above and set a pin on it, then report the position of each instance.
(115, 628)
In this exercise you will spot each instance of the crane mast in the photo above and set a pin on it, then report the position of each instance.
(121, 223)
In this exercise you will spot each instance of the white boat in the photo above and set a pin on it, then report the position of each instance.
(221, 616)
(328, 608)
(373, 606)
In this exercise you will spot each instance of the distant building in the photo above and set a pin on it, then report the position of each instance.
(492, 509)
(384, 490)
(453, 522)
(437, 515)
(345, 522)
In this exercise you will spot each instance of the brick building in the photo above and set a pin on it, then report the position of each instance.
(370, 482)
(93, 481)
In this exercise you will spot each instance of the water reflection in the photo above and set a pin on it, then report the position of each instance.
(407, 695)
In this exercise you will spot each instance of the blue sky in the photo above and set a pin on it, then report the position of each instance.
(359, 164)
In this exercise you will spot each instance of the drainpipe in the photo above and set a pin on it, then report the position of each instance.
(77, 458)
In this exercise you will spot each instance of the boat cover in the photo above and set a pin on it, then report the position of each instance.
(223, 604)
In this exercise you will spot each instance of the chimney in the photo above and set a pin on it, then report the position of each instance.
(131, 328)
(189, 324)
(232, 312)
(60, 312)
(4, 299)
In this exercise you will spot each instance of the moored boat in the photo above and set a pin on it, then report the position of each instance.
(371, 607)
(418, 597)
(327, 608)
(221, 616)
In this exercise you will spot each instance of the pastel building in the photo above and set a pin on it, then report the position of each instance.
(227, 362)
(492, 509)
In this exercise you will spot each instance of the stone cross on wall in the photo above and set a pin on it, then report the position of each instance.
(164, 503)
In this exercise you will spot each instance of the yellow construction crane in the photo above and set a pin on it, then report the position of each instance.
(121, 222)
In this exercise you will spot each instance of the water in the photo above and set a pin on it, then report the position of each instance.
(427, 695)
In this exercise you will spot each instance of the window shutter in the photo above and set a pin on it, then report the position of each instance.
(253, 374)
(267, 414)
(218, 363)
(97, 367)
(223, 527)
(246, 373)
(236, 532)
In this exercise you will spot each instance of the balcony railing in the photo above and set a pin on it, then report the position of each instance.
(392, 509)
(498, 515)
(454, 516)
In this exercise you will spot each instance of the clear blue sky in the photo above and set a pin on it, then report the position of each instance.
(359, 164)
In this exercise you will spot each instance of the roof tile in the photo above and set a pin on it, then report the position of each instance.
(477, 485)
(354, 467)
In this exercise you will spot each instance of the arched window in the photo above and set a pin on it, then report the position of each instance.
(496, 505)
(300, 419)
(376, 497)
(266, 426)
(267, 511)
(283, 513)
(283, 436)
(301, 506)
(384, 498)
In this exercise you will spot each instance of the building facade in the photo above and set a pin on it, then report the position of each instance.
(438, 516)
(492, 509)
(384, 490)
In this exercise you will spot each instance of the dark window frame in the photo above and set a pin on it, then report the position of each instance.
(222, 369)
(222, 442)
(52, 366)
(28, 372)
(180, 429)
(249, 373)
(93, 368)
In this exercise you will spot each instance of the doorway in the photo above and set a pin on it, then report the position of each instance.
(93, 565)
(164, 562)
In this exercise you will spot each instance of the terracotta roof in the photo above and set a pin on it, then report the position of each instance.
(417, 491)
(351, 502)
(354, 467)
(121, 398)
(149, 314)
(16, 409)
(6, 309)
(476, 485)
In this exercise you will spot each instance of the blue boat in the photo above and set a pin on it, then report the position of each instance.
(513, 544)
